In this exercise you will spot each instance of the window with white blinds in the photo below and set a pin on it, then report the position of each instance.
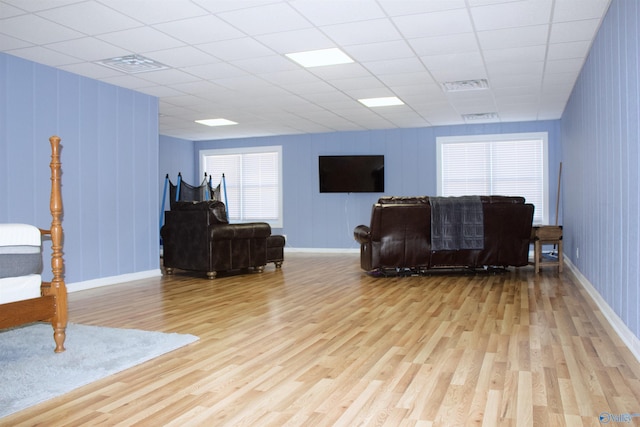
(252, 179)
(503, 164)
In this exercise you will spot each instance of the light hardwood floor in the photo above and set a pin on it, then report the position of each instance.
(321, 343)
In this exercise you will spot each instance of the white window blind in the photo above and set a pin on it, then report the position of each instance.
(507, 165)
(253, 182)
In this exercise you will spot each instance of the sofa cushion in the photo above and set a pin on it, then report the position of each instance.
(216, 207)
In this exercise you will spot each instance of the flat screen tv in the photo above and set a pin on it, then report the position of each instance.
(351, 174)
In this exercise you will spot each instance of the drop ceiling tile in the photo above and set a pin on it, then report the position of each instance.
(441, 45)
(149, 12)
(200, 88)
(503, 80)
(456, 60)
(199, 30)
(434, 24)
(515, 54)
(395, 49)
(38, 5)
(579, 49)
(395, 66)
(308, 89)
(21, 27)
(44, 56)
(160, 91)
(297, 76)
(517, 68)
(90, 18)
(562, 32)
(508, 15)
(362, 32)
(214, 71)
(141, 39)
(329, 12)
(265, 64)
(262, 19)
(569, 65)
(232, 50)
(7, 11)
(400, 8)
(296, 41)
(342, 71)
(91, 70)
(128, 81)
(9, 43)
(558, 79)
(573, 10)
(88, 49)
(513, 37)
(179, 57)
(167, 77)
(420, 78)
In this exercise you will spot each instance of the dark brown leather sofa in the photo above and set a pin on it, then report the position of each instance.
(399, 236)
(197, 236)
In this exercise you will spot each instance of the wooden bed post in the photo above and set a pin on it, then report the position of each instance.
(57, 286)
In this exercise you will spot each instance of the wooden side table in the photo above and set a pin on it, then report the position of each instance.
(546, 234)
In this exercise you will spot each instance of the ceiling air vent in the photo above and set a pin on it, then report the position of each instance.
(462, 85)
(133, 64)
(475, 117)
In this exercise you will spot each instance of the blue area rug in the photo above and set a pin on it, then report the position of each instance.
(30, 371)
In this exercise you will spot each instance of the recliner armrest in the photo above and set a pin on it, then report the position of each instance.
(362, 234)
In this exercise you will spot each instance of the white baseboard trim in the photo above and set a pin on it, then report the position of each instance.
(112, 280)
(623, 331)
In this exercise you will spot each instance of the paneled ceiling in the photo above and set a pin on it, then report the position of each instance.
(226, 58)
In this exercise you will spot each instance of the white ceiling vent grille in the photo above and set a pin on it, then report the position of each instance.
(133, 64)
(476, 117)
(462, 85)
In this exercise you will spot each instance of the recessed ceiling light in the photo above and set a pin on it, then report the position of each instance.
(462, 85)
(133, 64)
(216, 122)
(319, 58)
(381, 102)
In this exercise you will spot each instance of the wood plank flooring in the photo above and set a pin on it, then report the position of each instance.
(321, 343)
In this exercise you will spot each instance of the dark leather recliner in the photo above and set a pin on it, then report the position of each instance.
(399, 236)
(197, 236)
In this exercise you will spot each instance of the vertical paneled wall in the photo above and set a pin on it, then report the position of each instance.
(600, 139)
(109, 162)
(315, 220)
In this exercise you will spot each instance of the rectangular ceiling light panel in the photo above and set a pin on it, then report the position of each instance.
(216, 122)
(381, 102)
(319, 58)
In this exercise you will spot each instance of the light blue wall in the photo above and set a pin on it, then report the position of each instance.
(109, 166)
(176, 156)
(315, 220)
(600, 138)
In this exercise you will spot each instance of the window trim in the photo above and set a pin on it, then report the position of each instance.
(544, 136)
(278, 223)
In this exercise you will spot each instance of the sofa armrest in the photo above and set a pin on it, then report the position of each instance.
(362, 234)
(254, 230)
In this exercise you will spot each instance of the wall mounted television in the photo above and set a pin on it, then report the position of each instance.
(351, 174)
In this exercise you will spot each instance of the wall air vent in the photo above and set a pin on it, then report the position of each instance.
(133, 64)
(476, 117)
(462, 85)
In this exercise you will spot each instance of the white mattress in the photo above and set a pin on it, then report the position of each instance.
(19, 235)
(20, 288)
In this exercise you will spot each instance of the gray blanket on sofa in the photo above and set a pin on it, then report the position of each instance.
(456, 223)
